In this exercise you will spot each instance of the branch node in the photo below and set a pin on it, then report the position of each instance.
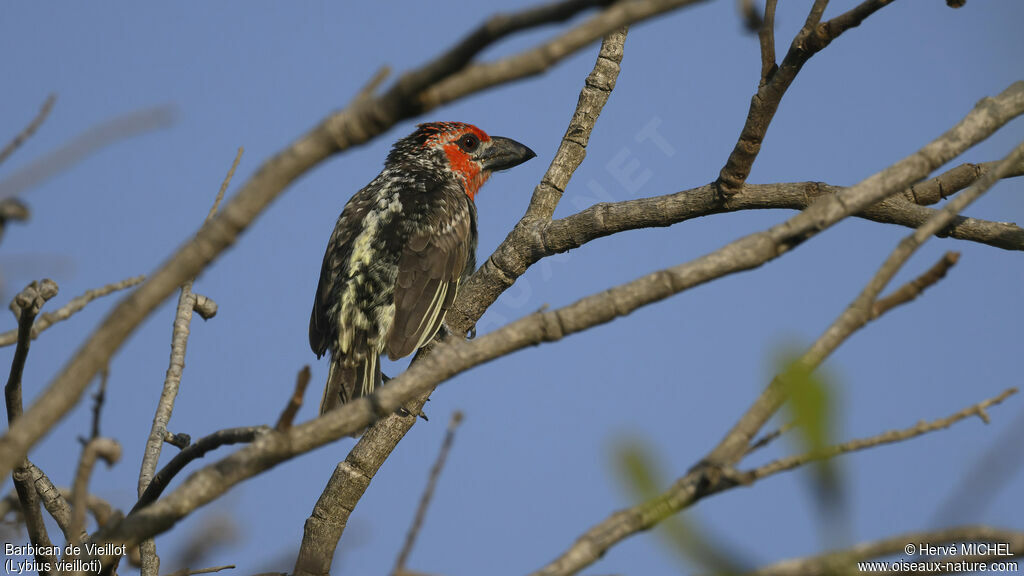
(204, 306)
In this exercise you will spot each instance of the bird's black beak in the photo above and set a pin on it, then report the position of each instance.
(504, 153)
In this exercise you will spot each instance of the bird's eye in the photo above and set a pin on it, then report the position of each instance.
(469, 142)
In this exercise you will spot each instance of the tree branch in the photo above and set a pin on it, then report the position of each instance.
(225, 437)
(75, 305)
(87, 143)
(428, 494)
(324, 527)
(536, 60)
(695, 486)
(715, 470)
(766, 38)
(856, 315)
(917, 286)
(189, 572)
(187, 303)
(351, 127)
(810, 40)
(287, 417)
(29, 130)
(843, 561)
(105, 448)
(890, 437)
(952, 181)
(28, 303)
(450, 357)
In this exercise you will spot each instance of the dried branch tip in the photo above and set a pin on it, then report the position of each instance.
(32, 298)
(204, 306)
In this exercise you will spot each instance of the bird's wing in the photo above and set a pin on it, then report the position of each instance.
(429, 270)
(335, 259)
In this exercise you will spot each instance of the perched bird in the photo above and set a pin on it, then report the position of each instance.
(399, 250)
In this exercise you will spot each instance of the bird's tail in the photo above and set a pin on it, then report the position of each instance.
(350, 378)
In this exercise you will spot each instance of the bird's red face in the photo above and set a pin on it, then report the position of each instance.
(470, 154)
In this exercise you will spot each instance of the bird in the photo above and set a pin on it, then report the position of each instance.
(400, 249)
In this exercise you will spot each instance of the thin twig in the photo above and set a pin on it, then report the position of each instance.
(766, 38)
(769, 437)
(811, 39)
(75, 305)
(29, 130)
(844, 561)
(856, 315)
(715, 470)
(86, 144)
(107, 449)
(28, 303)
(917, 286)
(428, 494)
(188, 572)
(952, 181)
(371, 86)
(224, 185)
(205, 444)
(165, 406)
(889, 437)
(179, 441)
(287, 417)
(97, 406)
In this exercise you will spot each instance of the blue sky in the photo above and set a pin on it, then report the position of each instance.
(532, 466)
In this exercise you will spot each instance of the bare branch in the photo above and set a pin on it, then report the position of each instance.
(769, 437)
(55, 500)
(179, 441)
(29, 130)
(715, 470)
(205, 444)
(766, 38)
(346, 486)
(856, 315)
(917, 286)
(952, 181)
(28, 499)
(450, 358)
(287, 417)
(187, 304)
(187, 572)
(536, 60)
(97, 406)
(697, 484)
(843, 561)
(105, 448)
(889, 437)
(338, 132)
(373, 84)
(428, 494)
(492, 276)
(86, 144)
(325, 525)
(810, 40)
(28, 303)
(573, 148)
(204, 306)
(75, 305)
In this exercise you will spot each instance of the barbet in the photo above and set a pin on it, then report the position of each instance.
(400, 249)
